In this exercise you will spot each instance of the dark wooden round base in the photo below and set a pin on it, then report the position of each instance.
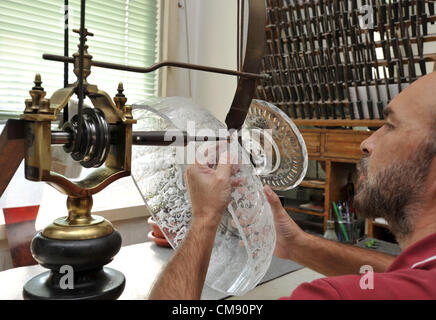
(76, 269)
(103, 284)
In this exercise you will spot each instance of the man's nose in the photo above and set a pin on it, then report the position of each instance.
(367, 145)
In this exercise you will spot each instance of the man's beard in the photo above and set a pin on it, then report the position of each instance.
(395, 193)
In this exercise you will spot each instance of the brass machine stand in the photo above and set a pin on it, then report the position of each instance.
(99, 138)
(84, 242)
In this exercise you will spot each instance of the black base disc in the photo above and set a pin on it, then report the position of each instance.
(104, 284)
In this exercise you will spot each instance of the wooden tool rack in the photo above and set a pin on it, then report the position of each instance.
(334, 65)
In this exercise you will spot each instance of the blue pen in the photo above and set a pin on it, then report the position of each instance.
(341, 211)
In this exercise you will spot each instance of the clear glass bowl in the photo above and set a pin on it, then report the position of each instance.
(245, 240)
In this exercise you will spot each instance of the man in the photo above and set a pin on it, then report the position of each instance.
(397, 181)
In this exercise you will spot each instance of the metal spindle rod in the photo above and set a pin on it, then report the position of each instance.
(145, 138)
(61, 137)
(166, 138)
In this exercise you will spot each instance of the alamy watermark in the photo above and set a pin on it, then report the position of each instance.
(67, 16)
(66, 282)
(366, 18)
(254, 146)
(367, 280)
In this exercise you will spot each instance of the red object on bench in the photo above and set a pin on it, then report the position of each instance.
(156, 234)
(20, 230)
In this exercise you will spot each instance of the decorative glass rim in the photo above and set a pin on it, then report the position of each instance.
(288, 121)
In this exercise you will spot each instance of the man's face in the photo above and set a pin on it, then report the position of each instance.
(394, 169)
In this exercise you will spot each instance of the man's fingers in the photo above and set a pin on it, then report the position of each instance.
(200, 161)
(224, 168)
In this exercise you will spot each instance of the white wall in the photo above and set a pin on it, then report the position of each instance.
(210, 30)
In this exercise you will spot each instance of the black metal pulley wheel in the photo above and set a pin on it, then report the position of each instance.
(92, 148)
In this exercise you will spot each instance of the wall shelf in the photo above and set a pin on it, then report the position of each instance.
(313, 183)
(305, 211)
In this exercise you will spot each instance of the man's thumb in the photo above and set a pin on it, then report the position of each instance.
(274, 201)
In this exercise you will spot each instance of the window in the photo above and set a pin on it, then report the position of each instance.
(125, 32)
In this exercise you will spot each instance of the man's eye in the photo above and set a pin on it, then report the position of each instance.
(389, 126)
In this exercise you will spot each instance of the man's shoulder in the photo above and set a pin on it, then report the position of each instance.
(403, 284)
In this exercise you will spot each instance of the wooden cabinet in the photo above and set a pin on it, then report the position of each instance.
(336, 145)
(313, 142)
(339, 152)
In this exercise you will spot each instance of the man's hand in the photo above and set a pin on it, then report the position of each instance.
(209, 190)
(210, 193)
(288, 232)
(327, 257)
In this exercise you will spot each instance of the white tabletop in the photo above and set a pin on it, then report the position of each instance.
(141, 265)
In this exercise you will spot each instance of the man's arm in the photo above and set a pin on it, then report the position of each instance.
(184, 276)
(324, 256)
(332, 258)
(210, 193)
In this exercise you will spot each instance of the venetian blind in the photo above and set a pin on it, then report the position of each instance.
(125, 32)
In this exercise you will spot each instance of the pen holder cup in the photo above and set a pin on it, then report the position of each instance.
(355, 230)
